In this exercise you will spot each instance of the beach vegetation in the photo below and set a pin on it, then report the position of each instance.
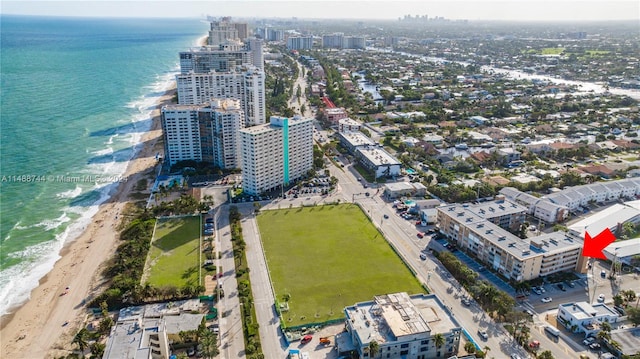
(310, 252)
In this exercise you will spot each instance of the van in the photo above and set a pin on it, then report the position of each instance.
(553, 331)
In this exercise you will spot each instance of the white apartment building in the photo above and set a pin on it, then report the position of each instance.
(143, 332)
(223, 57)
(219, 132)
(379, 161)
(480, 230)
(276, 153)
(244, 84)
(300, 43)
(181, 133)
(579, 196)
(206, 132)
(403, 326)
(540, 208)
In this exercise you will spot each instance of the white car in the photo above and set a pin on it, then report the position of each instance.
(601, 298)
(546, 300)
(483, 334)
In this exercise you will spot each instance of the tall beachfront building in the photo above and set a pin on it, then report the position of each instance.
(244, 83)
(223, 57)
(220, 124)
(222, 30)
(276, 153)
(206, 132)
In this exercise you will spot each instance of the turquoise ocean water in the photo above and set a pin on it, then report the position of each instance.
(76, 96)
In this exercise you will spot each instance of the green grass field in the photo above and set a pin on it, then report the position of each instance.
(174, 255)
(329, 257)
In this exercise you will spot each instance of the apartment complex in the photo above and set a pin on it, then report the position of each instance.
(222, 30)
(207, 132)
(586, 318)
(579, 196)
(403, 326)
(220, 124)
(181, 133)
(244, 83)
(339, 41)
(143, 332)
(300, 43)
(481, 229)
(220, 58)
(276, 153)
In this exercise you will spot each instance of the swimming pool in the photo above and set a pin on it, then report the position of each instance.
(411, 171)
(409, 203)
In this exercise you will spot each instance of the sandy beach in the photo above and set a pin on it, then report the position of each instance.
(35, 330)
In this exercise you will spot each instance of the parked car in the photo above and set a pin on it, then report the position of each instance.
(601, 298)
(483, 334)
(386, 216)
(420, 235)
(603, 273)
(466, 301)
(594, 346)
(562, 287)
(547, 300)
(307, 338)
(571, 284)
(588, 341)
(423, 256)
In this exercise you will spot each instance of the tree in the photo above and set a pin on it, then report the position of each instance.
(605, 327)
(486, 349)
(615, 345)
(546, 355)
(81, 340)
(374, 348)
(634, 315)
(470, 347)
(439, 340)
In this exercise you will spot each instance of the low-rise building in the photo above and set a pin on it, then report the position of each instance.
(348, 125)
(480, 229)
(142, 332)
(583, 317)
(351, 140)
(403, 326)
(379, 161)
(404, 189)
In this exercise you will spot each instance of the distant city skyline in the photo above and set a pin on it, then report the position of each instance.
(505, 10)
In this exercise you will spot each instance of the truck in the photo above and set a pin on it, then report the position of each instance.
(325, 341)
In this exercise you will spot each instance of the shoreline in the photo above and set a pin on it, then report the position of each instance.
(35, 328)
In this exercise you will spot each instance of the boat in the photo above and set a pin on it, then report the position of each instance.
(461, 146)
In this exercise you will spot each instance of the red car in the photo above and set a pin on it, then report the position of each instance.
(307, 338)
(420, 235)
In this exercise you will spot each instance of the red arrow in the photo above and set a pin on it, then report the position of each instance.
(593, 246)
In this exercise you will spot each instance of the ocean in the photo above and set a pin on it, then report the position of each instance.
(76, 96)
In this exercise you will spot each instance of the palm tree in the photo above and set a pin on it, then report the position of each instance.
(603, 335)
(486, 349)
(438, 339)
(81, 340)
(374, 348)
(470, 348)
(605, 327)
(614, 344)
(546, 355)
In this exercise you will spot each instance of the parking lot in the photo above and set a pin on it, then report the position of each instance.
(481, 270)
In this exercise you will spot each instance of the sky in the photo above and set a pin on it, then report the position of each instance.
(512, 10)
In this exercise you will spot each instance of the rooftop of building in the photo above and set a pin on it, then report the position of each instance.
(129, 337)
(378, 156)
(349, 121)
(584, 310)
(623, 249)
(276, 123)
(403, 186)
(475, 217)
(392, 316)
(610, 218)
(357, 138)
